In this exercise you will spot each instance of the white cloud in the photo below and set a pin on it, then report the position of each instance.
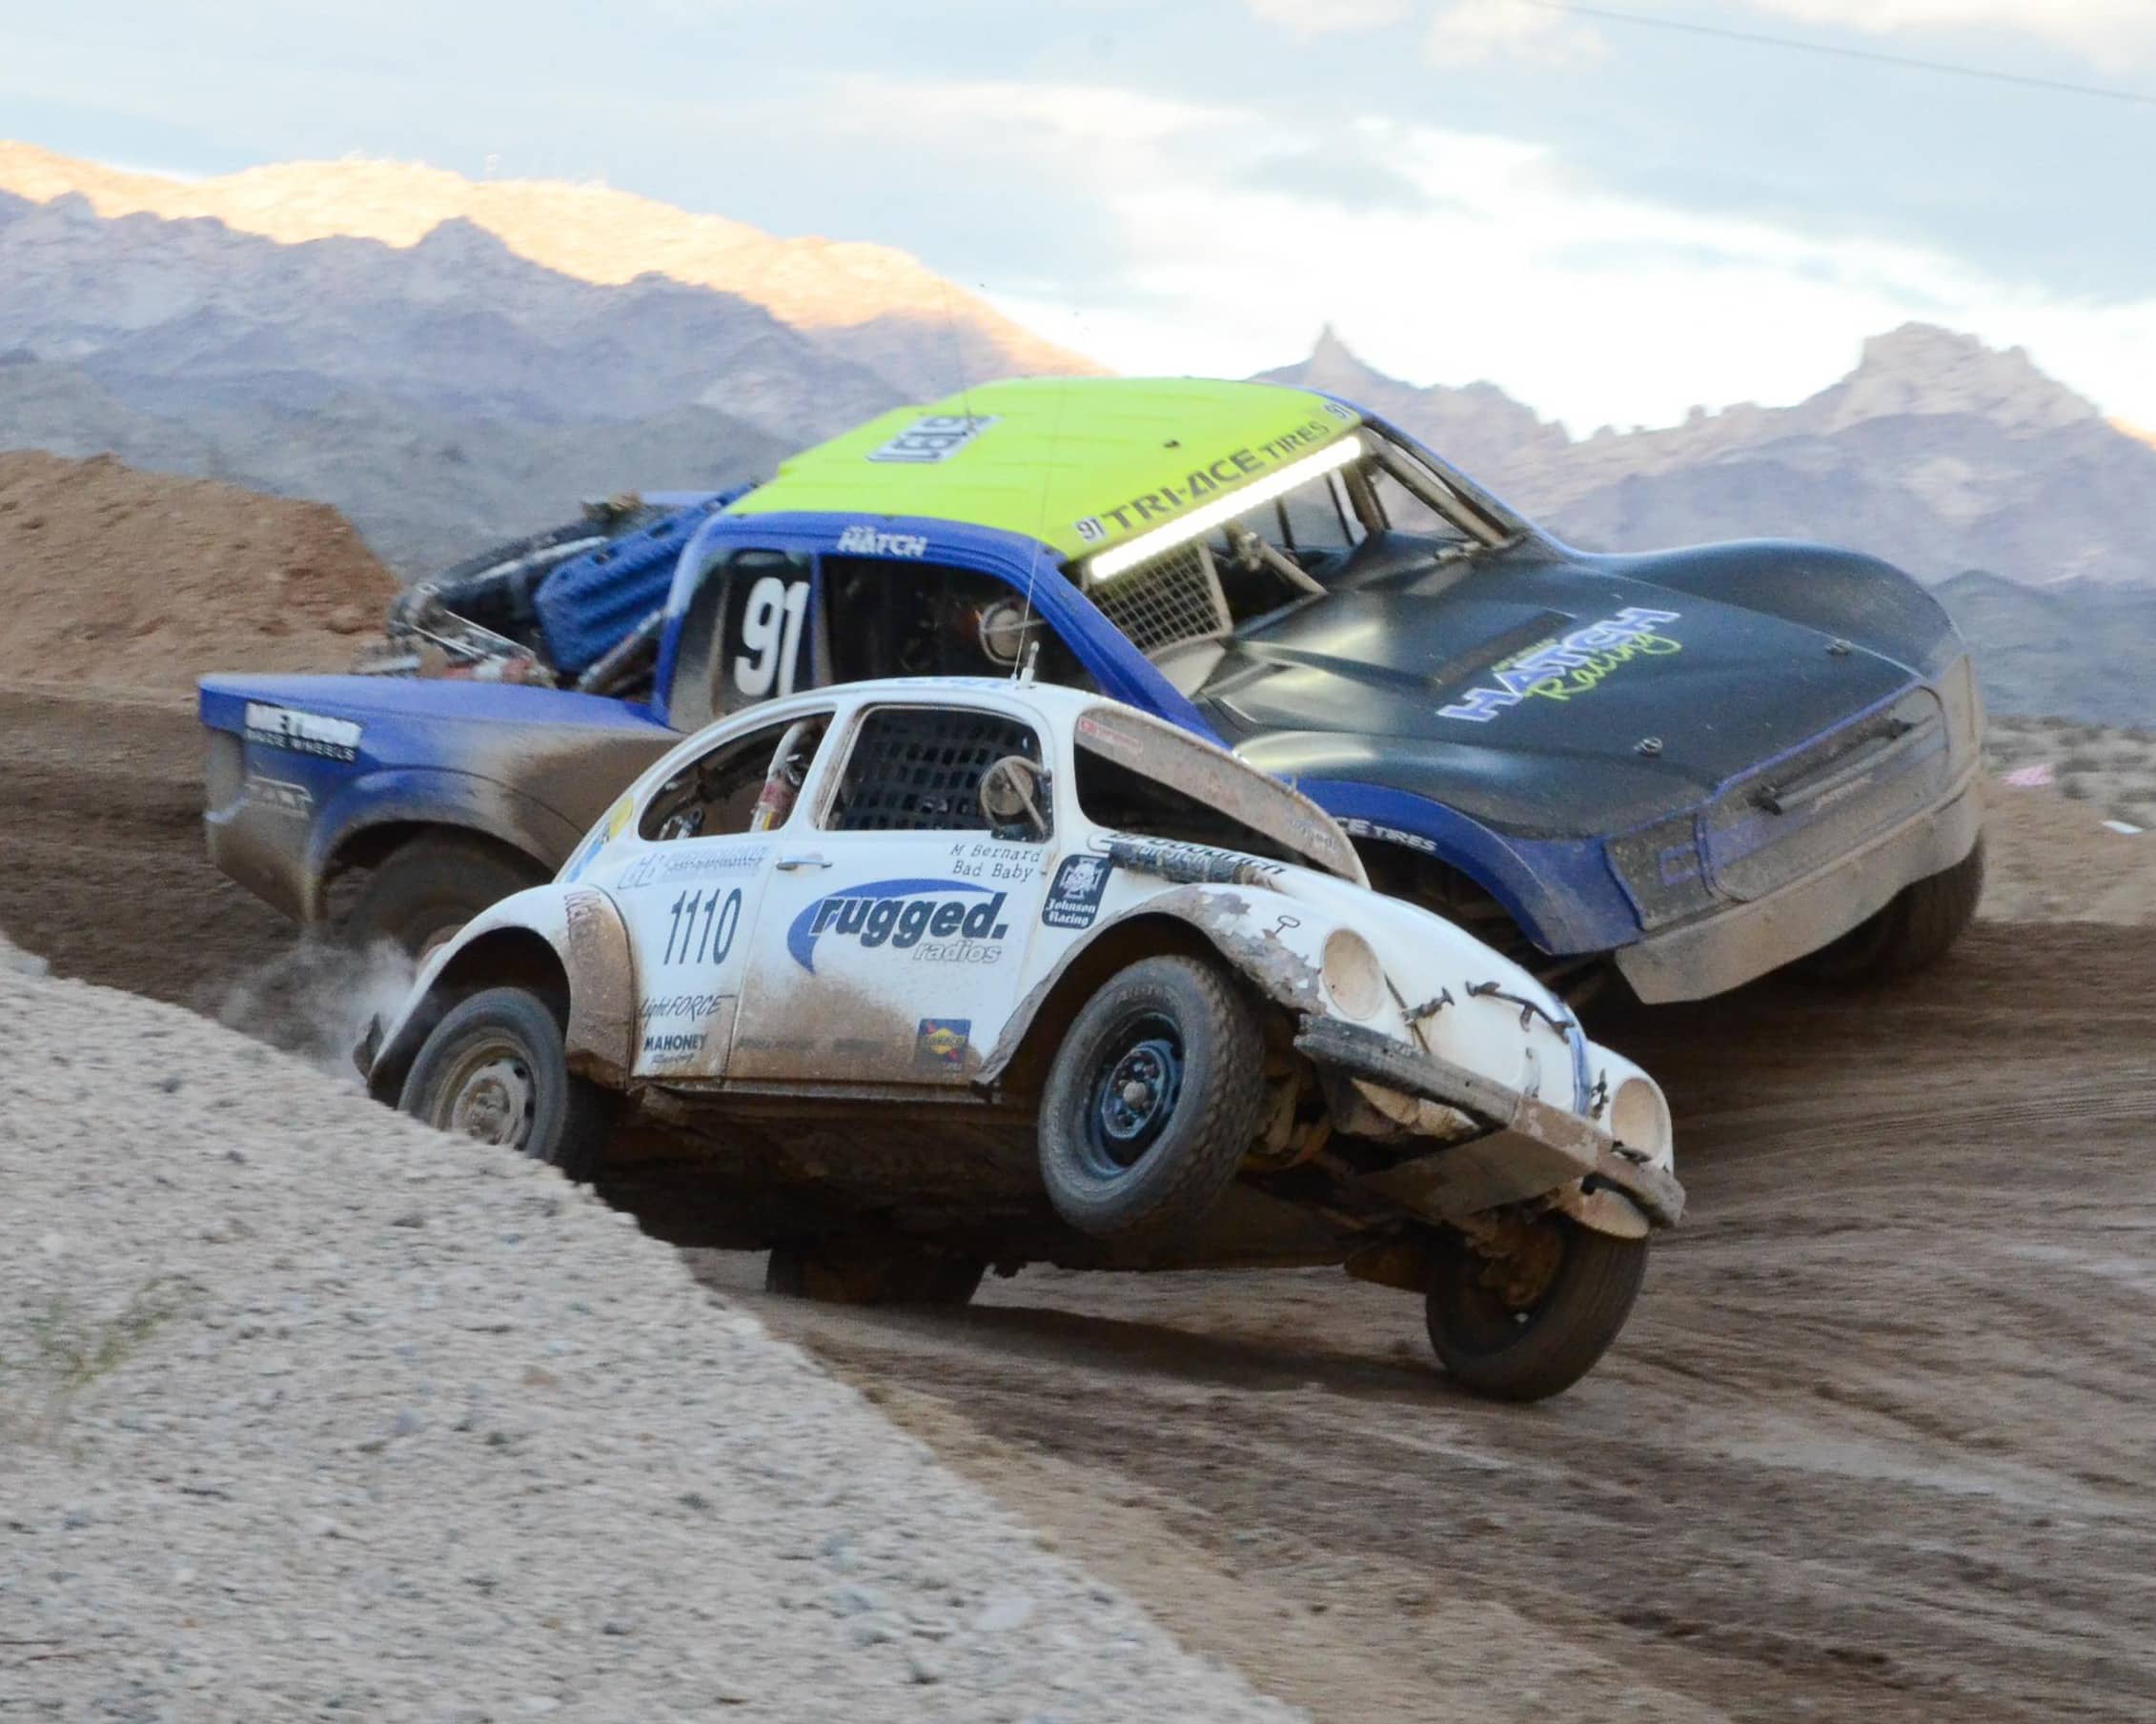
(1464, 33)
(1594, 306)
(1324, 17)
(2112, 33)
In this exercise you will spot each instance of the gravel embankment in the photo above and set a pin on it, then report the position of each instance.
(307, 1411)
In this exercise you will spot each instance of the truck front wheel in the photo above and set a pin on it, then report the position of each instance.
(431, 885)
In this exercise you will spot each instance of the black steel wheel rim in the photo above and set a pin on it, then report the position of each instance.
(1137, 1081)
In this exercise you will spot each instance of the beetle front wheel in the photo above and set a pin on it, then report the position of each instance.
(1526, 1314)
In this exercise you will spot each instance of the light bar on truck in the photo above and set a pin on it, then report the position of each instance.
(1202, 520)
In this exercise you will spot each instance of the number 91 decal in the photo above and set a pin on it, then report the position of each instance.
(772, 615)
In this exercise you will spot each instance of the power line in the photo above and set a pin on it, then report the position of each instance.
(1907, 62)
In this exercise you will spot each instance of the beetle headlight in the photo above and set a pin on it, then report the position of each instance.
(1355, 980)
(1639, 1119)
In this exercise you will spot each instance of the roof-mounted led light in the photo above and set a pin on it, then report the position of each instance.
(1203, 519)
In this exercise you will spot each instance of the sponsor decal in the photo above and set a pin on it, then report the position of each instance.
(302, 732)
(989, 860)
(667, 868)
(1199, 481)
(1391, 835)
(935, 437)
(680, 1005)
(1570, 665)
(920, 917)
(873, 541)
(941, 1043)
(1074, 894)
(673, 1045)
(285, 798)
(1174, 860)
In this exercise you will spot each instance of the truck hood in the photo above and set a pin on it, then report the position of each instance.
(1586, 700)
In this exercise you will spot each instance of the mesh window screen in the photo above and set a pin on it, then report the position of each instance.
(1175, 598)
(919, 770)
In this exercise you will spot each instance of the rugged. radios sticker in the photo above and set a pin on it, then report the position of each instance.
(302, 732)
(936, 437)
(916, 916)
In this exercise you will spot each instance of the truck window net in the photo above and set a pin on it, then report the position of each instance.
(1174, 599)
(921, 771)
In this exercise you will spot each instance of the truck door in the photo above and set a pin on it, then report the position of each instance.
(892, 944)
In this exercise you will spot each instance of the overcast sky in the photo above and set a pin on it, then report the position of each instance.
(1612, 221)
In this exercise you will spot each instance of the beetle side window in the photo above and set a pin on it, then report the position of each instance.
(919, 769)
(720, 794)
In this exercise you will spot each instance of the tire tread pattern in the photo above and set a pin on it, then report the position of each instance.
(1227, 1104)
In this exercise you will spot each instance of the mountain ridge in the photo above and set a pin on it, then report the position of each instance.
(839, 289)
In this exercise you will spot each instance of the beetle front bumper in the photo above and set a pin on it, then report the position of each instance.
(1530, 1149)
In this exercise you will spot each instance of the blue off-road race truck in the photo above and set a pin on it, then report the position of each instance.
(1698, 765)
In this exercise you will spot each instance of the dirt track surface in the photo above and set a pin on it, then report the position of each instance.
(1880, 1442)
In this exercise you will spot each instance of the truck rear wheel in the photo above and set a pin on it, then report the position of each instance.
(431, 885)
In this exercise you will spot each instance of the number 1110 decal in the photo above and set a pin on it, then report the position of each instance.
(721, 913)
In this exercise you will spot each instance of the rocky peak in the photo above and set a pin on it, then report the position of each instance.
(1921, 369)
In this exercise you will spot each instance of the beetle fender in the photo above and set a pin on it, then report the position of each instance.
(1220, 916)
(580, 934)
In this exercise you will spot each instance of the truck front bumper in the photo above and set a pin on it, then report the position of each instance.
(1733, 946)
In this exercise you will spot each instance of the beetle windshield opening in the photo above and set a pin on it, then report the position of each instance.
(1153, 780)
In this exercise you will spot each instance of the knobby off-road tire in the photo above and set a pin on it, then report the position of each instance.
(1504, 1348)
(1914, 932)
(493, 1069)
(1153, 1101)
(431, 885)
(850, 1273)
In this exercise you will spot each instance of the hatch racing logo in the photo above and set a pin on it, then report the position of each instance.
(1574, 664)
(916, 916)
(859, 541)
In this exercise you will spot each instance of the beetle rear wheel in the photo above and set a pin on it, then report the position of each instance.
(493, 1070)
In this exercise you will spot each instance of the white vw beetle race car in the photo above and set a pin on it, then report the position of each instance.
(904, 980)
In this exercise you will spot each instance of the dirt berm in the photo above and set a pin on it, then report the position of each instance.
(1876, 1445)
(130, 580)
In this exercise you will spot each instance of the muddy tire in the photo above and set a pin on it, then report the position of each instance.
(1914, 932)
(839, 1273)
(1153, 1101)
(431, 885)
(493, 1069)
(1527, 1327)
